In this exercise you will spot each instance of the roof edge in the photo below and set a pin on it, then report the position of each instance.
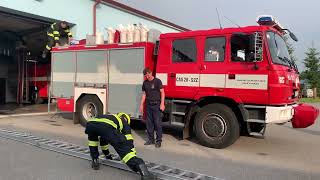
(142, 14)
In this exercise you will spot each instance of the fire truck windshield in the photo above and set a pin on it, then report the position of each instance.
(278, 50)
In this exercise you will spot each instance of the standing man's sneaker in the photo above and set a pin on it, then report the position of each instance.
(158, 144)
(149, 142)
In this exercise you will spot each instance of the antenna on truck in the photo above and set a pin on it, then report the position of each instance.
(231, 21)
(218, 18)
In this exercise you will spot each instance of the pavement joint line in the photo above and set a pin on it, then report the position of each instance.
(31, 114)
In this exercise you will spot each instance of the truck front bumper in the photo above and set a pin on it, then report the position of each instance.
(300, 115)
(304, 115)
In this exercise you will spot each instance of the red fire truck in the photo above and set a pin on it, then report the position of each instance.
(39, 77)
(218, 83)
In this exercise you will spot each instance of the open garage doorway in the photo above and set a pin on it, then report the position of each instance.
(24, 74)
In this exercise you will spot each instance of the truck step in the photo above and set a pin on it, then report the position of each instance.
(161, 171)
(179, 113)
(177, 124)
(256, 121)
(255, 134)
(181, 101)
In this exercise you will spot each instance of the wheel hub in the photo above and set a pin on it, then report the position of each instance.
(89, 111)
(214, 126)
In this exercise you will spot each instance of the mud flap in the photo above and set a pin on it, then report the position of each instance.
(304, 116)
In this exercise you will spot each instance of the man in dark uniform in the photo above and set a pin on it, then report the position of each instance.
(153, 95)
(114, 129)
(58, 33)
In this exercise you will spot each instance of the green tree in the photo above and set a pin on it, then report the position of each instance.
(312, 71)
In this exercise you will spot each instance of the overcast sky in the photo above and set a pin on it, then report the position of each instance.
(301, 17)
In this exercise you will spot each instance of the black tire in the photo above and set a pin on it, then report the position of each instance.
(89, 106)
(216, 126)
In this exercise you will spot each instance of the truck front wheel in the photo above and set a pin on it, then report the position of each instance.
(216, 126)
(89, 107)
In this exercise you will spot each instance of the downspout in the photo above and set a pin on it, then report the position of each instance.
(95, 16)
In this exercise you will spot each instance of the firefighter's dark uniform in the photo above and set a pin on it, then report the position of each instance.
(55, 34)
(113, 129)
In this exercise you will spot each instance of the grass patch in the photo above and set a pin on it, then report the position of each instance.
(309, 100)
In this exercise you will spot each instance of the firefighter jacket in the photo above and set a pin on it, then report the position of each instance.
(120, 125)
(55, 31)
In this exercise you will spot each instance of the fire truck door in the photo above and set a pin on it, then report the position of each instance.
(245, 78)
(213, 67)
(183, 71)
(125, 80)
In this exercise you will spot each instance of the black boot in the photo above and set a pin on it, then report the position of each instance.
(95, 164)
(144, 172)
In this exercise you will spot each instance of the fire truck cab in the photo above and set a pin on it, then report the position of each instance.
(218, 83)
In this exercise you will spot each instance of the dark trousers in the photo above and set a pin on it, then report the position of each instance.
(51, 43)
(109, 135)
(153, 121)
(94, 151)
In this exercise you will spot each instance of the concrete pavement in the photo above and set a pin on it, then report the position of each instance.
(284, 153)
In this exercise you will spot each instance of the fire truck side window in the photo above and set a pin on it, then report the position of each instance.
(215, 49)
(184, 50)
(241, 47)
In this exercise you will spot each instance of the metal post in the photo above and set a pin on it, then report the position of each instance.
(19, 69)
(49, 84)
(27, 80)
(49, 97)
(35, 74)
(22, 77)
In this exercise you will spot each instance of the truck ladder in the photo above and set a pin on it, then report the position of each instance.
(161, 171)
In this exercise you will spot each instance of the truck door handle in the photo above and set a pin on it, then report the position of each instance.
(172, 75)
(231, 76)
(203, 67)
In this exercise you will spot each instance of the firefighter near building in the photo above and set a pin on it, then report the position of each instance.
(219, 83)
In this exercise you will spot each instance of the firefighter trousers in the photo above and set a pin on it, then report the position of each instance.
(106, 134)
(51, 42)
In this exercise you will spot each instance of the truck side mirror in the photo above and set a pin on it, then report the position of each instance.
(294, 37)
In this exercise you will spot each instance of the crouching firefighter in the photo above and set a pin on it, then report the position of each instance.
(114, 129)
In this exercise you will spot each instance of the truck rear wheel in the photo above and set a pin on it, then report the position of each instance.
(89, 107)
(216, 126)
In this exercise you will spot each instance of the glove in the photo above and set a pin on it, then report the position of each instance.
(109, 156)
(113, 157)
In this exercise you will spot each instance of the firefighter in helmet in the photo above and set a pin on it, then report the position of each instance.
(114, 129)
(58, 33)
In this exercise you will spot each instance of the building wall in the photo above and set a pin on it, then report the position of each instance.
(80, 13)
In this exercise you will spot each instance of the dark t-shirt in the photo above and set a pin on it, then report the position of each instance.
(152, 89)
